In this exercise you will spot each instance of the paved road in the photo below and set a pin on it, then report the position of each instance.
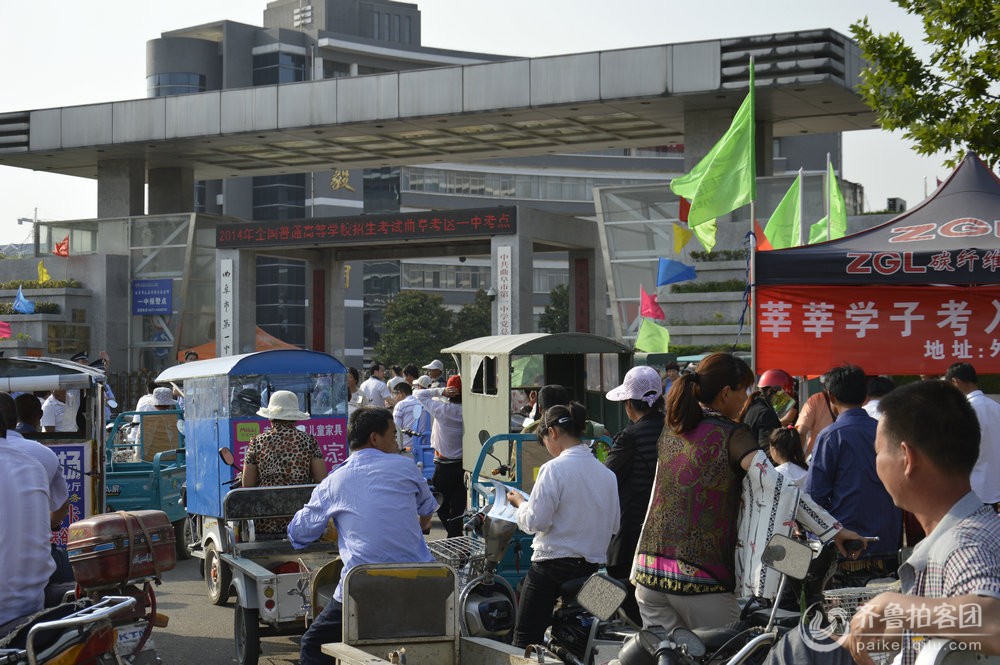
(202, 633)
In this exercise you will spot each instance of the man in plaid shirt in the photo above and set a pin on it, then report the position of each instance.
(926, 446)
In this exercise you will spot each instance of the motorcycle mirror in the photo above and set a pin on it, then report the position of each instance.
(787, 556)
(112, 404)
(227, 456)
(601, 596)
(687, 639)
(483, 436)
(180, 425)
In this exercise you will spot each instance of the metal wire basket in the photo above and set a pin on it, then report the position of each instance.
(849, 599)
(466, 554)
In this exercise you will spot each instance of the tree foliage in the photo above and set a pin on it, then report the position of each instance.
(950, 103)
(474, 319)
(415, 327)
(555, 318)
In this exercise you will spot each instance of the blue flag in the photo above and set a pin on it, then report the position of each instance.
(22, 304)
(671, 271)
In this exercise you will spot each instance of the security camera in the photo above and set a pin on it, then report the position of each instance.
(461, 259)
(491, 294)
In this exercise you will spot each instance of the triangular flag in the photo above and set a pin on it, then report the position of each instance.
(43, 274)
(786, 220)
(725, 179)
(62, 248)
(648, 306)
(763, 244)
(706, 235)
(683, 209)
(682, 236)
(5, 330)
(652, 338)
(838, 213)
(22, 304)
(670, 271)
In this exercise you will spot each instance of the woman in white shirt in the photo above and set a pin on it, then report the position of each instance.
(573, 512)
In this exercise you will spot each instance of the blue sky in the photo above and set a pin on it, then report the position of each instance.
(60, 53)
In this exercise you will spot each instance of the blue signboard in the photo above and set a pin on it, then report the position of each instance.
(152, 296)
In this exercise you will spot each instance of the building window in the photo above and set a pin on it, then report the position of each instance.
(281, 298)
(335, 70)
(278, 67)
(381, 189)
(279, 197)
(503, 185)
(174, 83)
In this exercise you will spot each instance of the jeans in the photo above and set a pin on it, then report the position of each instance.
(539, 594)
(449, 480)
(327, 627)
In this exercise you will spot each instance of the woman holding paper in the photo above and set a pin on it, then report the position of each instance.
(573, 512)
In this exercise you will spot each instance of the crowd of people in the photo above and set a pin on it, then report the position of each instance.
(712, 461)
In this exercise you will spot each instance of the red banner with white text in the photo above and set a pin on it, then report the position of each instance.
(806, 330)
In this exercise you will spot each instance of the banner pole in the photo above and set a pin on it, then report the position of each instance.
(803, 234)
(826, 198)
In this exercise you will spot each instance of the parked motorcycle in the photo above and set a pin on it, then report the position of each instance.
(76, 633)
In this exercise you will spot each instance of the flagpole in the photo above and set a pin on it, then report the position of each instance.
(751, 267)
(826, 198)
(803, 234)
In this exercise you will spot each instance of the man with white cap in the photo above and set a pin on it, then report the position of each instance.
(633, 461)
(435, 369)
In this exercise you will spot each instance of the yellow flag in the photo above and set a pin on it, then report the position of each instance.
(43, 274)
(681, 237)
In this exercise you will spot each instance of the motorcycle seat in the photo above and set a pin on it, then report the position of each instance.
(570, 588)
(716, 638)
(783, 618)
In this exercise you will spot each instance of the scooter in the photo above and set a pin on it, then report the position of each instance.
(589, 627)
(75, 633)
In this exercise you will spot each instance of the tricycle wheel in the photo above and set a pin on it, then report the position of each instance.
(218, 577)
(180, 539)
(247, 631)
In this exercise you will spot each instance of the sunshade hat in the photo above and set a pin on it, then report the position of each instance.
(283, 405)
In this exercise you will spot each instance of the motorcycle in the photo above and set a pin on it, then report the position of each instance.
(747, 641)
(589, 626)
(76, 633)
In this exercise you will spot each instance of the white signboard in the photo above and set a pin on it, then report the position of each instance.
(226, 306)
(505, 310)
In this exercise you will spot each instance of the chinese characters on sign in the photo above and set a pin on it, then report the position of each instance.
(152, 296)
(341, 179)
(75, 461)
(226, 305)
(892, 330)
(434, 225)
(330, 433)
(505, 310)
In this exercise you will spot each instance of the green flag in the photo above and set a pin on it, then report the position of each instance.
(786, 220)
(726, 178)
(706, 234)
(652, 338)
(838, 213)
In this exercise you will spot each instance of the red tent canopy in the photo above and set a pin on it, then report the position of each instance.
(910, 296)
(264, 342)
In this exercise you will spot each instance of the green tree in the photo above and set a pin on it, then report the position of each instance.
(415, 327)
(555, 318)
(474, 319)
(949, 103)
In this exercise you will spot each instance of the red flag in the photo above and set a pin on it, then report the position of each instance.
(649, 308)
(5, 331)
(763, 244)
(683, 208)
(62, 248)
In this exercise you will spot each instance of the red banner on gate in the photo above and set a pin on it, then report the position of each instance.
(806, 330)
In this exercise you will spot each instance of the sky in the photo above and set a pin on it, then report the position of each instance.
(69, 52)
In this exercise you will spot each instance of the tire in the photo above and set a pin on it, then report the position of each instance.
(218, 577)
(180, 539)
(246, 629)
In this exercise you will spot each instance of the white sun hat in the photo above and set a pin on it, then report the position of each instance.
(283, 405)
(642, 382)
(434, 364)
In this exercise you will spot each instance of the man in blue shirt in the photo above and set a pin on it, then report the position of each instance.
(842, 475)
(380, 505)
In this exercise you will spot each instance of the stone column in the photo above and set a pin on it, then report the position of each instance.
(171, 190)
(235, 301)
(511, 266)
(120, 187)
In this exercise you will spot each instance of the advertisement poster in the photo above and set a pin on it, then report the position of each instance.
(76, 467)
(330, 433)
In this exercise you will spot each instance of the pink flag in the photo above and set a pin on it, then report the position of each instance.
(5, 331)
(649, 308)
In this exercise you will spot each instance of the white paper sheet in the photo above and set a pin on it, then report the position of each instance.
(502, 509)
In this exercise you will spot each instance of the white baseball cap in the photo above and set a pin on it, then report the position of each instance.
(434, 364)
(642, 382)
(395, 381)
(423, 381)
